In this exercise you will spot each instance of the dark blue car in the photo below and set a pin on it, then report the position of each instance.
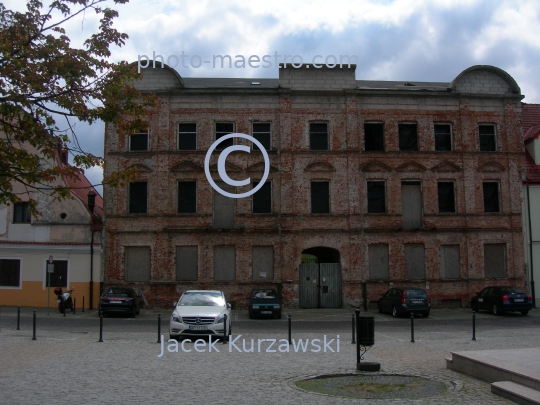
(500, 299)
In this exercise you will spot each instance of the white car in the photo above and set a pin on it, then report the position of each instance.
(200, 313)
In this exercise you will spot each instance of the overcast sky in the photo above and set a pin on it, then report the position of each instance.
(408, 40)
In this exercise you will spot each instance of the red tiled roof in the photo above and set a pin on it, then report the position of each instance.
(533, 171)
(531, 134)
(530, 115)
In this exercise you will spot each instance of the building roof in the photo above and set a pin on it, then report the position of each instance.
(533, 171)
(530, 115)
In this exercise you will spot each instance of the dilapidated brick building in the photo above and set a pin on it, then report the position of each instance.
(372, 184)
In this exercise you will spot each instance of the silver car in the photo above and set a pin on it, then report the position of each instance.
(200, 313)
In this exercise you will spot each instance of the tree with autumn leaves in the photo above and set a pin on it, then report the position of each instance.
(45, 84)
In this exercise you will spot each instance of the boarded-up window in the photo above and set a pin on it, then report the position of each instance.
(139, 140)
(378, 261)
(187, 197)
(443, 137)
(491, 196)
(495, 260)
(411, 205)
(224, 207)
(408, 138)
(222, 129)
(415, 261)
(261, 132)
(263, 262)
(262, 199)
(187, 263)
(137, 263)
(224, 263)
(138, 197)
(450, 266)
(318, 136)
(447, 200)
(487, 138)
(374, 137)
(376, 197)
(187, 136)
(320, 197)
(59, 277)
(10, 273)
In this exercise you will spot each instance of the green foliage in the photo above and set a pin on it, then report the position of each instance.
(43, 78)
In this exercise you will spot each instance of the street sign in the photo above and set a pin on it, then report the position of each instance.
(50, 268)
(51, 261)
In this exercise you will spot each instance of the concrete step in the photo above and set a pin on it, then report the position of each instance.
(516, 392)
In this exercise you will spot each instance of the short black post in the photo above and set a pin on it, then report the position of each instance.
(64, 308)
(290, 328)
(18, 318)
(34, 326)
(473, 326)
(353, 342)
(412, 328)
(225, 329)
(0, 311)
(159, 328)
(357, 317)
(100, 326)
(74, 305)
(83, 303)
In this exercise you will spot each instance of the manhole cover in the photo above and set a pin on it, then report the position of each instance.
(374, 386)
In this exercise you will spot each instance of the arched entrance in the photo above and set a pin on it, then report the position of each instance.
(320, 281)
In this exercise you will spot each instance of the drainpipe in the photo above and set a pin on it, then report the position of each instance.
(530, 247)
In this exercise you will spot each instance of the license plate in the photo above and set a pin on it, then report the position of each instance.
(416, 301)
(266, 312)
(115, 302)
(519, 300)
(198, 327)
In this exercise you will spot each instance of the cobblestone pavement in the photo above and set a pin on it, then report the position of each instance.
(73, 368)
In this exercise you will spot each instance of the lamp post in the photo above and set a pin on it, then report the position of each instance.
(91, 205)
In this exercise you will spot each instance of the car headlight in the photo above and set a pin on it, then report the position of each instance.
(176, 318)
(255, 307)
(221, 319)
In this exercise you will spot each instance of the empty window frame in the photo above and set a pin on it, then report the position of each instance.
(187, 263)
(378, 261)
(408, 137)
(487, 138)
(491, 196)
(21, 212)
(318, 136)
(137, 261)
(10, 273)
(263, 262)
(262, 199)
(320, 197)
(450, 261)
(187, 197)
(373, 136)
(415, 261)
(138, 140)
(224, 263)
(59, 277)
(187, 136)
(222, 129)
(138, 197)
(447, 197)
(495, 260)
(443, 136)
(411, 204)
(261, 132)
(376, 197)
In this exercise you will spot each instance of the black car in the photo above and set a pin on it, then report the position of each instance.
(404, 301)
(120, 300)
(498, 299)
(264, 302)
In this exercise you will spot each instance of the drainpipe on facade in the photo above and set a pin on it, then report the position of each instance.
(530, 247)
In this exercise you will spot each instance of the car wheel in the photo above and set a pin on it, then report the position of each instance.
(495, 310)
(474, 307)
(133, 313)
(250, 315)
(394, 311)
(524, 312)
(425, 314)
(138, 311)
(379, 308)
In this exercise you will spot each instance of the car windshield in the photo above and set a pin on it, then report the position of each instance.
(264, 294)
(202, 299)
(511, 290)
(416, 294)
(117, 292)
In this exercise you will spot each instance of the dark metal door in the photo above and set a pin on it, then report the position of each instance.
(330, 292)
(320, 285)
(309, 280)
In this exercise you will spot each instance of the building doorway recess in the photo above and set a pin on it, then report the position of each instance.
(320, 280)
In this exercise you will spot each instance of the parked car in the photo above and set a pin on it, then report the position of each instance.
(200, 313)
(498, 299)
(404, 301)
(119, 299)
(264, 302)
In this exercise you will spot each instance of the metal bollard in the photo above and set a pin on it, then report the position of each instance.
(18, 318)
(473, 326)
(64, 308)
(412, 328)
(159, 328)
(353, 342)
(0, 311)
(357, 316)
(83, 303)
(290, 328)
(74, 305)
(100, 326)
(34, 326)
(225, 329)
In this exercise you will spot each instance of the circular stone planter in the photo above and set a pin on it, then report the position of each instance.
(375, 386)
